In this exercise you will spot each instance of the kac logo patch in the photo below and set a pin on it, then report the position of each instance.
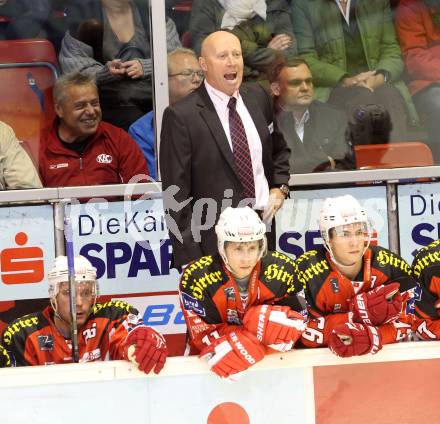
(104, 158)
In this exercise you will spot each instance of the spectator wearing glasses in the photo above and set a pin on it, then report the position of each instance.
(314, 131)
(184, 76)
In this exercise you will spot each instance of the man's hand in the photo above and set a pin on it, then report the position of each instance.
(374, 81)
(133, 68)
(275, 326)
(354, 339)
(276, 200)
(359, 80)
(146, 348)
(280, 42)
(233, 353)
(378, 306)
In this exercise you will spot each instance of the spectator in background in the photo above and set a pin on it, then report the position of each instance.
(80, 149)
(264, 29)
(418, 28)
(314, 131)
(219, 145)
(184, 76)
(352, 51)
(16, 168)
(27, 18)
(110, 39)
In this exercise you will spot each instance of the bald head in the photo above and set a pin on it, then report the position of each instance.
(222, 62)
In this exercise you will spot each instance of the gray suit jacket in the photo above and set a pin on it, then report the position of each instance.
(324, 136)
(196, 157)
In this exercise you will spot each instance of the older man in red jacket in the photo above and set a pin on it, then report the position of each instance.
(80, 149)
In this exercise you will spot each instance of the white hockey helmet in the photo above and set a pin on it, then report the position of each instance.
(338, 211)
(240, 225)
(84, 271)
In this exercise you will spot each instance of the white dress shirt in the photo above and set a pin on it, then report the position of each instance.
(220, 101)
(346, 13)
(299, 124)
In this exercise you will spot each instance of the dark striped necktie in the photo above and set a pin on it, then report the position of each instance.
(240, 149)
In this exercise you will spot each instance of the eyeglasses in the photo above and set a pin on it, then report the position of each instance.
(189, 74)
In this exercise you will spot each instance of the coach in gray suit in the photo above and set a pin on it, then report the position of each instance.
(201, 174)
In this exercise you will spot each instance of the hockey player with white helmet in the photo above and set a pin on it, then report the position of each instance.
(240, 303)
(110, 330)
(359, 296)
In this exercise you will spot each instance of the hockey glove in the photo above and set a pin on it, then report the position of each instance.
(351, 339)
(275, 326)
(378, 306)
(5, 361)
(233, 353)
(146, 348)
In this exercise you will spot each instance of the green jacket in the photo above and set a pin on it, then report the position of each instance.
(207, 15)
(320, 38)
(254, 35)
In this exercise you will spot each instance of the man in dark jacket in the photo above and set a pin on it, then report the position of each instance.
(219, 147)
(313, 130)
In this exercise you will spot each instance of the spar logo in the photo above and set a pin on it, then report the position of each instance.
(22, 265)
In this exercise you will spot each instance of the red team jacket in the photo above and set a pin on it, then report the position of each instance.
(426, 268)
(34, 340)
(211, 303)
(328, 291)
(110, 157)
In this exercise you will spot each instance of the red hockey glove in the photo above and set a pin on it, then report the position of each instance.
(233, 353)
(275, 326)
(377, 306)
(351, 339)
(146, 348)
(5, 361)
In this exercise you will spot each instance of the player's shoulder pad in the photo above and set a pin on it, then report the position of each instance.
(277, 273)
(23, 327)
(204, 274)
(113, 309)
(312, 265)
(389, 262)
(427, 257)
(310, 256)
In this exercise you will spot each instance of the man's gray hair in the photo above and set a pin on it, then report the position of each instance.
(180, 51)
(69, 80)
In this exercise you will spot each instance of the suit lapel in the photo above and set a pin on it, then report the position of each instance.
(209, 115)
